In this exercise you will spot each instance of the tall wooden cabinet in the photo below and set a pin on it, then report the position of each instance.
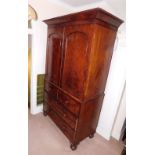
(79, 51)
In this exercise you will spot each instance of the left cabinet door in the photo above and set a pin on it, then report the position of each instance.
(54, 54)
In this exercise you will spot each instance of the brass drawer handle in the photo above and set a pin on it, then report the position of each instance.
(63, 128)
(66, 102)
(64, 115)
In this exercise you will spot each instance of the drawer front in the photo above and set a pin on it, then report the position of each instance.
(50, 92)
(62, 125)
(68, 103)
(64, 114)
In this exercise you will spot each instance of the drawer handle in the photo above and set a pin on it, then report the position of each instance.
(64, 115)
(66, 102)
(63, 128)
(54, 97)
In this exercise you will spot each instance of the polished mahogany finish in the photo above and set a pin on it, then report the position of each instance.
(79, 51)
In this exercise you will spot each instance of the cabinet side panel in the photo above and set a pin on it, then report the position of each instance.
(102, 50)
(89, 117)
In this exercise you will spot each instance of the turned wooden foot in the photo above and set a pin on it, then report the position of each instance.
(73, 147)
(91, 135)
(45, 113)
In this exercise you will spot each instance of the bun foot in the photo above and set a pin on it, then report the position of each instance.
(73, 147)
(91, 135)
(44, 113)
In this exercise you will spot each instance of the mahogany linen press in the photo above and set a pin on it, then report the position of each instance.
(79, 52)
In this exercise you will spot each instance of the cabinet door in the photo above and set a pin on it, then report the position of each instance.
(76, 59)
(54, 52)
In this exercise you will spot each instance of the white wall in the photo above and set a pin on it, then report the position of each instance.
(49, 8)
(114, 87)
(45, 10)
(103, 5)
(120, 118)
(37, 61)
(116, 79)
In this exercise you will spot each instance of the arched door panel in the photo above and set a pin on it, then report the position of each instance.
(54, 57)
(76, 58)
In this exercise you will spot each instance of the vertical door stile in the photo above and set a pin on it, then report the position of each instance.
(62, 55)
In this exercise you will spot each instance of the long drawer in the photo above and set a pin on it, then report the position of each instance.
(64, 114)
(69, 103)
(62, 125)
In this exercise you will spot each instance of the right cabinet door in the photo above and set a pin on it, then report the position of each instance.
(77, 40)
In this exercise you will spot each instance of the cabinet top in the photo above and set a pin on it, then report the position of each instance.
(96, 15)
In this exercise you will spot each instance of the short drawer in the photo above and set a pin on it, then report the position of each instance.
(68, 117)
(50, 91)
(49, 99)
(62, 125)
(69, 103)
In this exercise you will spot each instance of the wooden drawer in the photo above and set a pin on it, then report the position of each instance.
(68, 117)
(49, 99)
(46, 97)
(50, 92)
(70, 104)
(62, 125)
